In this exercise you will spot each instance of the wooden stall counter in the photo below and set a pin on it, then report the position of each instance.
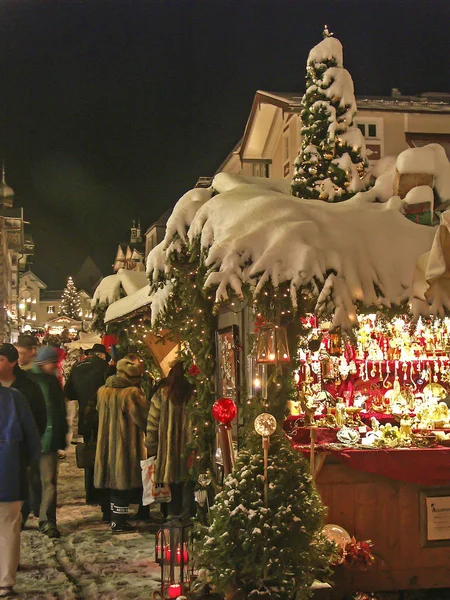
(383, 495)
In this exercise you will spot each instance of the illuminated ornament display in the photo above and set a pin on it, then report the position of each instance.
(265, 424)
(272, 344)
(224, 411)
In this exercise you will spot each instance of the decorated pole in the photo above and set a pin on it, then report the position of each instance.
(312, 464)
(224, 412)
(265, 425)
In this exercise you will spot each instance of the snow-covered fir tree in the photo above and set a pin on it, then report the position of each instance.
(275, 551)
(332, 163)
(70, 301)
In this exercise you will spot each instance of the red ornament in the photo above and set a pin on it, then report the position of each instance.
(193, 370)
(224, 410)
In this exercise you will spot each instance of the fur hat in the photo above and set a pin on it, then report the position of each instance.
(46, 354)
(130, 368)
(9, 351)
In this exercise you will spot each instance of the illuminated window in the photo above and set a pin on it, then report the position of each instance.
(50, 309)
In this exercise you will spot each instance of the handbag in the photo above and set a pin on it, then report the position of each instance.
(85, 455)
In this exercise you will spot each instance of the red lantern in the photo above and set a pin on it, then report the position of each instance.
(224, 411)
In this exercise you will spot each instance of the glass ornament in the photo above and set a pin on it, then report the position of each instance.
(265, 424)
(224, 411)
(336, 534)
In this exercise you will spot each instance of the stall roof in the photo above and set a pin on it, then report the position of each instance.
(109, 289)
(252, 231)
(126, 307)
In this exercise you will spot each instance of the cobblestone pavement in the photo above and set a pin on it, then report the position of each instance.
(87, 562)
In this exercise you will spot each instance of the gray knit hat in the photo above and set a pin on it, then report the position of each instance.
(46, 354)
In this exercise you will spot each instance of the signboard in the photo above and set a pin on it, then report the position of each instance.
(435, 517)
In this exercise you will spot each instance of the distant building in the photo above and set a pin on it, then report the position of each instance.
(155, 233)
(16, 247)
(88, 277)
(39, 307)
(131, 255)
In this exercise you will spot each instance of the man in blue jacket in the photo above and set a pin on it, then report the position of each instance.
(19, 445)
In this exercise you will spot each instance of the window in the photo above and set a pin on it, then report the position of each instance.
(362, 127)
(286, 147)
(372, 130)
(260, 169)
(50, 309)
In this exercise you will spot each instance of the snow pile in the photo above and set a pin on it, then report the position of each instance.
(109, 289)
(326, 50)
(358, 250)
(127, 305)
(430, 159)
(419, 195)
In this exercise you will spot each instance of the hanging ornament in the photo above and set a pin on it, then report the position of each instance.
(224, 411)
(312, 170)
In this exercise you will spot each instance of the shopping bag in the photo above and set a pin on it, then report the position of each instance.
(153, 492)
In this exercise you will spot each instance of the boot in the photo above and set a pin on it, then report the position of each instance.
(119, 523)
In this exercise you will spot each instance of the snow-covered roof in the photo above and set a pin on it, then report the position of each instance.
(108, 290)
(361, 250)
(126, 306)
(430, 159)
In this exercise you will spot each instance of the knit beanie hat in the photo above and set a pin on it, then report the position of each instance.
(130, 368)
(45, 355)
(9, 351)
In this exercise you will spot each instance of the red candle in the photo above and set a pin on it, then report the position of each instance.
(174, 591)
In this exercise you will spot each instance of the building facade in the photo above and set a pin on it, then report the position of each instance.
(39, 307)
(272, 136)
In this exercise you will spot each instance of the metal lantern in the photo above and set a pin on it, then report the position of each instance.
(272, 344)
(172, 553)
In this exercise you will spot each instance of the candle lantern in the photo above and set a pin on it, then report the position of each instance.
(172, 553)
(272, 344)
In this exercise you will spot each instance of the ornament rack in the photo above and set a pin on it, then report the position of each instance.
(389, 366)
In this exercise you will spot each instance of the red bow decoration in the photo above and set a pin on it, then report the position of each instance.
(193, 370)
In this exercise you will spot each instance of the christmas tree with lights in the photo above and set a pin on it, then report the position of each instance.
(70, 301)
(332, 163)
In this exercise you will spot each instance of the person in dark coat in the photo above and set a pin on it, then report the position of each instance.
(44, 373)
(168, 434)
(122, 412)
(85, 378)
(19, 445)
(11, 375)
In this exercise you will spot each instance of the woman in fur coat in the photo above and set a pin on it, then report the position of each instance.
(122, 417)
(168, 434)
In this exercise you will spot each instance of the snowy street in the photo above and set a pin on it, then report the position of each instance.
(87, 562)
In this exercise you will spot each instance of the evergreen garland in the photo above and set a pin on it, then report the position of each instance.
(189, 315)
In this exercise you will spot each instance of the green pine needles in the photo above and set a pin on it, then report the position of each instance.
(70, 301)
(332, 162)
(278, 550)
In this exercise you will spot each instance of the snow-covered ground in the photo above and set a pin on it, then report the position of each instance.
(87, 562)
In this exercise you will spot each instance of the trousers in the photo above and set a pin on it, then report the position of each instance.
(32, 502)
(49, 476)
(10, 522)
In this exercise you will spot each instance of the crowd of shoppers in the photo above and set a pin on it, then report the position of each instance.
(115, 415)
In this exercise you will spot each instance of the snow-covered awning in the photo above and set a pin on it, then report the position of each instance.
(109, 289)
(363, 250)
(127, 307)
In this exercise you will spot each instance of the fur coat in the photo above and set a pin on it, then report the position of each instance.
(122, 416)
(168, 434)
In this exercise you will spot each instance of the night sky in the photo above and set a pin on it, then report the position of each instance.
(110, 111)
